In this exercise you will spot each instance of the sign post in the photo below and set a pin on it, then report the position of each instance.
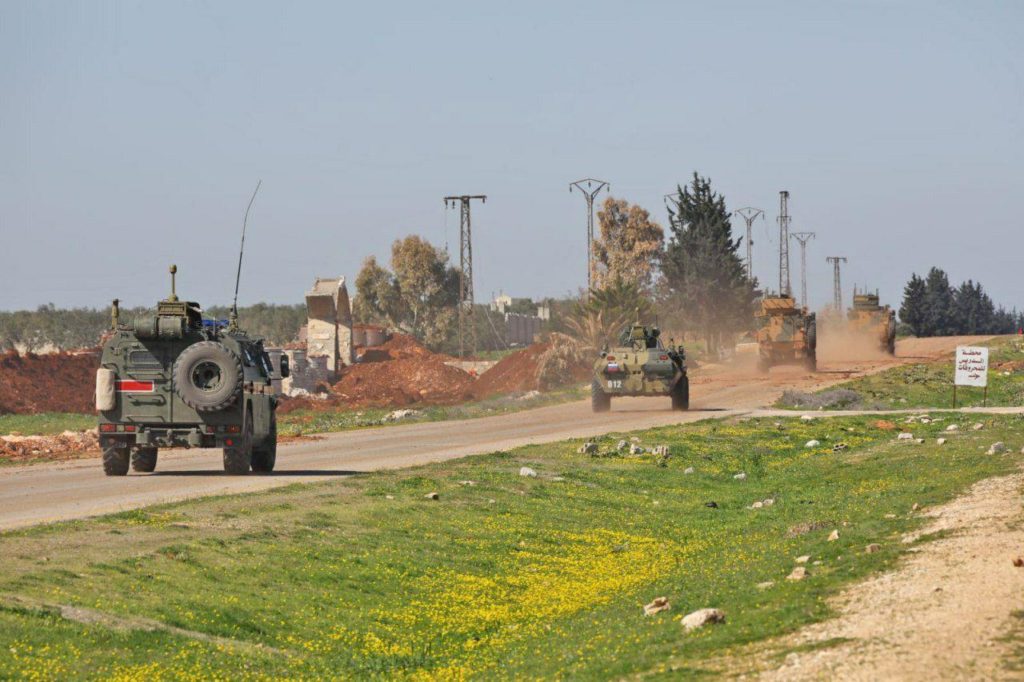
(971, 369)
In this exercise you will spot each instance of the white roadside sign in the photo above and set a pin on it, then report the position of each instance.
(971, 366)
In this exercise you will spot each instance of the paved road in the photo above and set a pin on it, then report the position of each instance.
(52, 492)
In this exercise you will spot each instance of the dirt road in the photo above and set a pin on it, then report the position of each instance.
(52, 492)
(946, 610)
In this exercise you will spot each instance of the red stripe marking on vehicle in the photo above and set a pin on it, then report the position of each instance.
(128, 386)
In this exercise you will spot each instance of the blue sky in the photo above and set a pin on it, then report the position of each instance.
(131, 135)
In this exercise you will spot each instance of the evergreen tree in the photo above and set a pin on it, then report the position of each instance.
(704, 277)
(973, 311)
(938, 304)
(912, 310)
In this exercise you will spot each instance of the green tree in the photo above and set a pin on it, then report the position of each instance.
(938, 304)
(628, 246)
(973, 311)
(598, 320)
(377, 300)
(912, 309)
(419, 295)
(703, 273)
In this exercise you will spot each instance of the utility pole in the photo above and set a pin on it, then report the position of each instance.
(803, 238)
(784, 285)
(593, 187)
(837, 288)
(467, 325)
(749, 215)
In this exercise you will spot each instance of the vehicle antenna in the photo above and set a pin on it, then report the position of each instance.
(241, 250)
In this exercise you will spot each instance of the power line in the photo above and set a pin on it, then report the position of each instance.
(589, 192)
(749, 215)
(467, 326)
(803, 238)
(837, 288)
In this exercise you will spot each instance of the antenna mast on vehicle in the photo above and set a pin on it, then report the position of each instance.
(241, 251)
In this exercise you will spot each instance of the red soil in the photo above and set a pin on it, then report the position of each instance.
(513, 373)
(60, 382)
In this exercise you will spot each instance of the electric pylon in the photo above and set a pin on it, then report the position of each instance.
(803, 238)
(589, 192)
(837, 287)
(467, 325)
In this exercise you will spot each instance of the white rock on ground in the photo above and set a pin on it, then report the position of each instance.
(699, 619)
(688, 470)
(872, 548)
(527, 471)
(432, 496)
(978, 427)
(953, 427)
(833, 536)
(905, 436)
(803, 559)
(941, 441)
(812, 444)
(587, 448)
(765, 585)
(997, 448)
(806, 418)
(798, 573)
(741, 476)
(769, 502)
(621, 445)
(636, 450)
(757, 505)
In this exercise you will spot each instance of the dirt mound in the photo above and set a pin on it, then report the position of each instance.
(541, 366)
(403, 381)
(61, 382)
(397, 347)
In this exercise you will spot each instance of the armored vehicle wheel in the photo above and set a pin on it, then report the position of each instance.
(812, 336)
(238, 457)
(115, 461)
(144, 458)
(599, 400)
(208, 376)
(264, 457)
(681, 395)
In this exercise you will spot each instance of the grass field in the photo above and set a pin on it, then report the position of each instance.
(46, 423)
(503, 576)
(926, 384)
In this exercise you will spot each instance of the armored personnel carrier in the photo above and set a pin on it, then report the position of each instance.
(786, 334)
(173, 379)
(867, 318)
(640, 365)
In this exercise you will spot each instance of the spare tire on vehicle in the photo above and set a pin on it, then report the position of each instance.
(208, 376)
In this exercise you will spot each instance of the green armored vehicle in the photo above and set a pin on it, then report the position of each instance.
(174, 379)
(640, 365)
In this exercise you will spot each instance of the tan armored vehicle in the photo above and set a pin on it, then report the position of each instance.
(640, 365)
(786, 334)
(867, 318)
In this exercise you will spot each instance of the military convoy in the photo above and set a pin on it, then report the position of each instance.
(640, 366)
(867, 318)
(174, 379)
(786, 334)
